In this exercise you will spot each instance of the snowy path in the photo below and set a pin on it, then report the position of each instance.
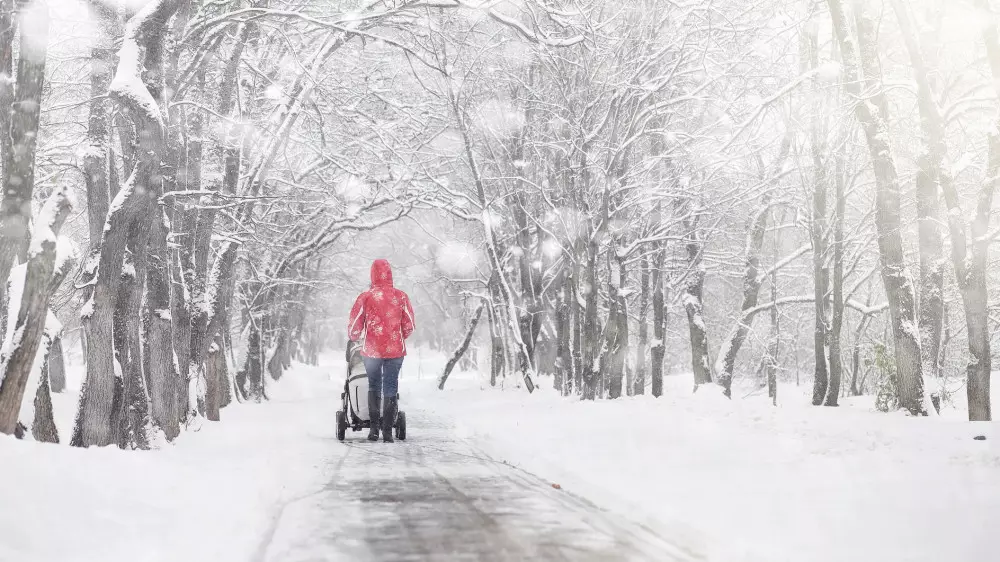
(436, 497)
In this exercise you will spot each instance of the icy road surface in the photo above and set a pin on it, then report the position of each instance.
(436, 497)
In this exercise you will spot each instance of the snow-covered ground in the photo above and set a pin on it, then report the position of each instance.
(212, 496)
(743, 480)
(734, 481)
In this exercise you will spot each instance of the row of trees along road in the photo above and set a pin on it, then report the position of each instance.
(641, 181)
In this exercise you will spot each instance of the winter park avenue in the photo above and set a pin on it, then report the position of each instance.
(499, 280)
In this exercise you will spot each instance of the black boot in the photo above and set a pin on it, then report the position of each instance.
(388, 419)
(374, 409)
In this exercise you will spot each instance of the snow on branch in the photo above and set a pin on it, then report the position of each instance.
(324, 237)
(127, 86)
(533, 35)
(50, 220)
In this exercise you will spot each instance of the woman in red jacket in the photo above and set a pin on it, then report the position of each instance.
(383, 317)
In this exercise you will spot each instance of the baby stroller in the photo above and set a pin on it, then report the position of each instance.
(354, 409)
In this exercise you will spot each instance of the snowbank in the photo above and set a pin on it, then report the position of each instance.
(746, 481)
(212, 496)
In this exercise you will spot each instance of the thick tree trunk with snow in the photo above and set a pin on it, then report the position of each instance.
(24, 106)
(693, 299)
(862, 67)
(130, 418)
(144, 32)
(8, 30)
(97, 159)
(28, 325)
(930, 174)
(463, 347)
(970, 256)
(165, 383)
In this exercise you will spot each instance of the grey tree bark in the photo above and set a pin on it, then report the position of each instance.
(861, 66)
(930, 174)
(29, 325)
(693, 296)
(642, 349)
(15, 217)
(144, 32)
(658, 349)
(55, 366)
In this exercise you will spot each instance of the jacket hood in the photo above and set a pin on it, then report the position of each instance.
(381, 274)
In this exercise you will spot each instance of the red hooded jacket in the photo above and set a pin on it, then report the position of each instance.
(382, 316)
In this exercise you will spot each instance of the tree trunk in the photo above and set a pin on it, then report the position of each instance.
(930, 173)
(96, 160)
(29, 323)
(20, 133)
(616, 333)
(970, 257)
(837, 323)
(165, 383)
(590, 328)
(461, 348)
(856, 355)
(131, 418)
(818, 225)
(642, 350)
(220, 366)
(861, 63)
(752, 280)
(8, 30)
(43, 427)
(564, 333)
(693, 298)
(773, 341)
(217, 374)
(144, 32)
(254, 365)
(526, 364)
(497, 357)
(56, 367)
(658, 348)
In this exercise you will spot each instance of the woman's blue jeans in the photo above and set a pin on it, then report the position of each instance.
(383, 375)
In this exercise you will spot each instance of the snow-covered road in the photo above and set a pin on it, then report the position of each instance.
(437, 497)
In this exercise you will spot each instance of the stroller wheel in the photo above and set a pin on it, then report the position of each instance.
(341, 425)
(401, 426)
